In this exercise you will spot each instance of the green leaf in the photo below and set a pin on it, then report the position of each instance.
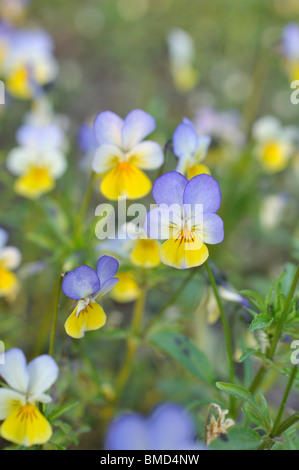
(255, 297)
(62, 410)
(186, 353)
(238, 392)
(246, 354)
(260, 321)
(238, 439)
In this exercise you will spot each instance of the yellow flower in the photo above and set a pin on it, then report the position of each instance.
(274, 144)
(121, 155)
(127, 289)
(36, 168)
(10, 258)
(23, 423)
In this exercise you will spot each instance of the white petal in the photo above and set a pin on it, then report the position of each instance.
(105, 158)
(10, 257)
(14, 370)
(43, 372)
(107, 128)
(266, 127)
(146, 155)
(54, 161)
(3, 237)
(20, 159)
(137, 125)
(8, 399)
(162, 222)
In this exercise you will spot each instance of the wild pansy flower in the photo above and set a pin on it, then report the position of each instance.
(122, 154)
(169, 427)
(40, 159)
(290, 49)
(127, 289)
(10, 259)
(13, 11)
(23, 422)
(274, 144)
(85, 285)
(190, 148)
(181, 51)
(185, 218)
(223, 126)
(29, 63)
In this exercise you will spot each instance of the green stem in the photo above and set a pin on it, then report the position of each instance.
(260, 375)
(86, 201)
(55, 314)
(132, 345)
(225, 326)
(284, 401)
(172, 299)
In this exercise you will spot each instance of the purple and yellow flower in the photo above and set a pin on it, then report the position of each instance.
(23, 423)
(169, 427)
(40, 158)
(85, 285)
(123, 154)
(10, 259)
(181, 50)
(186, 218)
(28, 63)
(290, 49)
(190, 148)
(275, 144)
(13, 11)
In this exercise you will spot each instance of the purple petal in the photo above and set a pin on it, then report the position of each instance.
(80, 283)
(137, 125)
(107, 128)
(169, 188)
(107, 267)
(171, 428)
(185, 140)
(290, 41)
(203, 189)
(128, 432)
(213, 232)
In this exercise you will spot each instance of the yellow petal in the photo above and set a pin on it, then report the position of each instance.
(17, 83)
(8, 281)
(183, 251)
(34, 183)
(126, 290)
(26, 426)
(125, 179)
(197, 169)
(91, 318)
(274, 157)
(146, 253)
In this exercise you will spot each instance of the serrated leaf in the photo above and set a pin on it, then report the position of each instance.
(186, 353)
(260, 321)
(238, 392)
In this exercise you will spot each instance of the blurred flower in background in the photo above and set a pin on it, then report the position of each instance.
(27, 62)
(275, 144)
(181, 51)
(13, 11)
(10, 259)
(127, 289)
(290, 49)
(190, 149)
(169, 427)
(87, 144)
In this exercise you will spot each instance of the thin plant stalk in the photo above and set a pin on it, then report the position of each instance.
(55, 314)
